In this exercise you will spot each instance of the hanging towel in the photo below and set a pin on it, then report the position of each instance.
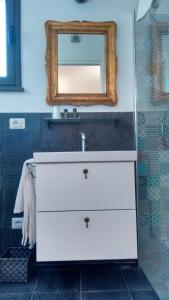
(25, 202)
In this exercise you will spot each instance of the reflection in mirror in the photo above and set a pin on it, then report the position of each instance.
(81, 63)
(161, 60)
(79, 79)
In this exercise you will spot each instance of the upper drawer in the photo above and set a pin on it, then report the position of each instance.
(85, 186)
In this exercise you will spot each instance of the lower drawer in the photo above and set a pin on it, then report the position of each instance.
(87, 235)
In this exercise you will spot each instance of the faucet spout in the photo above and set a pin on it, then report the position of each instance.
(83, 141)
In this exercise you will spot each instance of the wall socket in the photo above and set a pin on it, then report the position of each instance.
(17, 223)
(17, 123)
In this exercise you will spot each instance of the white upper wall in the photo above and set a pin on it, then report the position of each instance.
(34, 14)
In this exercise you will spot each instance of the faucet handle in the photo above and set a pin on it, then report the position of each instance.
(83, 135)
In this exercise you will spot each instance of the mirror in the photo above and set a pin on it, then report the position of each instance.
(81, 63)
(161, 61)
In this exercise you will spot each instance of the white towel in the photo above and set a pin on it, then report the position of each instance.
(26, 203)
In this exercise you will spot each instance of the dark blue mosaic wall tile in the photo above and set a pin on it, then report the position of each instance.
(11, 238)
(104, 131)
(1, 131)
(8, 203)
(22, 139)
(59, 137)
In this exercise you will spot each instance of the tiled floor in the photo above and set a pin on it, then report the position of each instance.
(87, 282)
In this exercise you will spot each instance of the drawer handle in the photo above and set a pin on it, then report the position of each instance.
(85, 172)
(87, 220)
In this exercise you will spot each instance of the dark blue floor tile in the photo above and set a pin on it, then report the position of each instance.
(136, 279)
(17, 288)
(55, 296)
(116, 295)
(17, 296)
(144, 295)
(58, 281)
(97, 278)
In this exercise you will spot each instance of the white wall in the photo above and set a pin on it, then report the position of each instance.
(34, 14)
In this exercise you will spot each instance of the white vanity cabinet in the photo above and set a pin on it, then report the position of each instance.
(85, 206)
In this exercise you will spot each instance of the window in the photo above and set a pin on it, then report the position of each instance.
(10, 64)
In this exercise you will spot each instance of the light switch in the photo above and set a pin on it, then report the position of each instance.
(17, 123)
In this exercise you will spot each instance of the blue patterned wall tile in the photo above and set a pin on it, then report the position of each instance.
(164, 168)
(151, 119)
(141, 132)
(143, 219)
(142, 169)
(142, 181)
(141, 143)
(153, 168)
(153, 193)
(142, 208)
(164, 130)
(164, 181)
(163, 156)
(163, 217)
(164, 143)
(164, 198)
(142, 193)
(140, 119)
(142, 156)
(154, 206)
(153, 180)
(165, 231)
(154, 218)
(153, 156)
(155, 230)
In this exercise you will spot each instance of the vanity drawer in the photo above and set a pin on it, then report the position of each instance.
(85, 186)
(64, 236)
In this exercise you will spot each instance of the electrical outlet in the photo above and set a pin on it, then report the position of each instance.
(17, 123)
(17, 223)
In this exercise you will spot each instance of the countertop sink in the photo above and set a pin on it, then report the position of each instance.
(87, 156)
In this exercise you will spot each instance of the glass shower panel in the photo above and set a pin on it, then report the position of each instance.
(152, 106)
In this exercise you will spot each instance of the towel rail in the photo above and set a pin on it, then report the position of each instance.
(30, 166)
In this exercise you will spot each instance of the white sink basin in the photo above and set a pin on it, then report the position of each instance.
(94, 156)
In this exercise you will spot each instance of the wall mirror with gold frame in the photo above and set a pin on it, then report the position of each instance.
(81, 63)
(161, 61)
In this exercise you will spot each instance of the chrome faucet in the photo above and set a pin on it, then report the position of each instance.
(83, 141)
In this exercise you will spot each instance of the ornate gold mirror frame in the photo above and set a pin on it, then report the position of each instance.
(53, 28)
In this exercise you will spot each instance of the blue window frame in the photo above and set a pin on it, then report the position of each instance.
(10, 52)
